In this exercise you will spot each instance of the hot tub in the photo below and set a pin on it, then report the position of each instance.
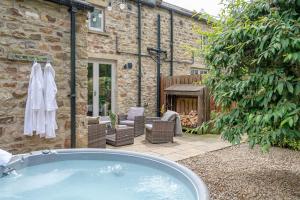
(93, 174)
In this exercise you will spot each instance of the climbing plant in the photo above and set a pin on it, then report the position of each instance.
(254, 60)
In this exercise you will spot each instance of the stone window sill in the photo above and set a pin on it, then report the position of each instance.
(99, 33)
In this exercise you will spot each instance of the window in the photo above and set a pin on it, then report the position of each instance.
(204, 41)
(96, 20)
(198, 71)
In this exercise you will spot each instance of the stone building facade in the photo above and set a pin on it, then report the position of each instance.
(39, 27)
(118, 43)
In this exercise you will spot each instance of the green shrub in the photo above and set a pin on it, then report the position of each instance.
(113, 119)
(291, 144)
(254, 61)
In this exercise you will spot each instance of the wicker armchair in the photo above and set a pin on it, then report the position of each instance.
(158, 131)
(96, 136)
(138, 123)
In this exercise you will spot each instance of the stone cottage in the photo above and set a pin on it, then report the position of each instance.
(116, 58)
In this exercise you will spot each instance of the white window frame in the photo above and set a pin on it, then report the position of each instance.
(198, 71)
(102, 21)
(204, 41)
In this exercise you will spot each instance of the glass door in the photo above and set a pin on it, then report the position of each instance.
(99, 89)
(91, 90)
(104, 89)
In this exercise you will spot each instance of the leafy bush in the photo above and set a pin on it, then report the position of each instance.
(254, 60)
(291, 144)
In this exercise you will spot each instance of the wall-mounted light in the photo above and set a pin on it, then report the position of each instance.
(109, 7)
(122, 6)
(128, 66)
(114, 3)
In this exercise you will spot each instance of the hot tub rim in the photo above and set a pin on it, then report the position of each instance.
(198, 184)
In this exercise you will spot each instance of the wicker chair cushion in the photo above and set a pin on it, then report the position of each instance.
(93, 120)
(134, 112)
(149, 126)
(104, 120)
(127, 122)
(169, 116)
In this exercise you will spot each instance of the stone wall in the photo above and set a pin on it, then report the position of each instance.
(123, 25)
(37, 27)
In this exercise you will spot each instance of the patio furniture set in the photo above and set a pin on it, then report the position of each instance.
(133, 124)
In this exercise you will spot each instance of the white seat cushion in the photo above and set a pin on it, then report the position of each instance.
(127, 122)
(134, 112)
(104, 122)
(149, 126)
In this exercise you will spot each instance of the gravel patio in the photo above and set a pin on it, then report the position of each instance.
(238, 172)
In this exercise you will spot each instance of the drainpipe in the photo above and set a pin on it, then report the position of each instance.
(139, 5)
(74, 6)
(73, 11)
(171, 42)
(158, 67)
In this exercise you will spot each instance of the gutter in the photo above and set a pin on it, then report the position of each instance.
(177, 9)
(79, 4)
(74, 6)
(182, 11)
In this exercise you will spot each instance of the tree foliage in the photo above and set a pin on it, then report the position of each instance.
(254, 61)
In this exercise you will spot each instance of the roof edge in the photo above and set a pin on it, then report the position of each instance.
(174, 8)
(79, 4)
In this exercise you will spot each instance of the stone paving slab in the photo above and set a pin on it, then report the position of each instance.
(183, 147)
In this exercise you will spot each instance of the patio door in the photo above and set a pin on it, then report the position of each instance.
(100, 88)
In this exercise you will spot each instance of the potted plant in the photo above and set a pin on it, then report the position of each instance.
(113, 119)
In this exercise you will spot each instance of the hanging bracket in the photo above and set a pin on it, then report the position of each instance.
(29, 58)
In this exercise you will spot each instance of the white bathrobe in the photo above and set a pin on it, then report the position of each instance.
(35, 111)
(50, 91)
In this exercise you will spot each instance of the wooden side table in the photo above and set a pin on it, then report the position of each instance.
(120, 136)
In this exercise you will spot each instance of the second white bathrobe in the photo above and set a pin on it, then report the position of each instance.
(50, 91)
(35, 107)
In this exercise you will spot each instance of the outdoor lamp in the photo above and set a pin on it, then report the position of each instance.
(109, 7)
(122, 6)
(113, 3)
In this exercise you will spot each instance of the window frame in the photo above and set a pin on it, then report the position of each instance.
(200, 71)
(204, 41)
(102, 29)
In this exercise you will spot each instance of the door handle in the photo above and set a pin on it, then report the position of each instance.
(95, 93)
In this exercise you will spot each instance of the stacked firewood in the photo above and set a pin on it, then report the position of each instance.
(190, 120)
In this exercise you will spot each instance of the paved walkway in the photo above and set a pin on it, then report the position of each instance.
(183, 147)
